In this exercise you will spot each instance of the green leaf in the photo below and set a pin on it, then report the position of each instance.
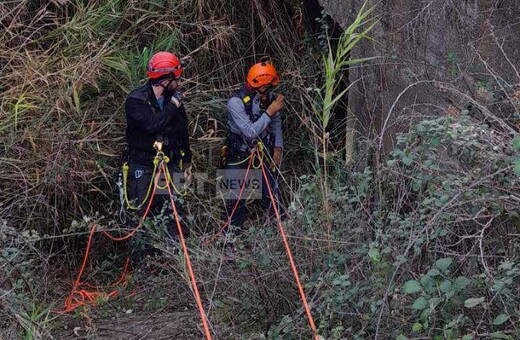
(243, 264)
(411, 287)
(417, 327)
(516, 143)
(374, 254)
(443, 263)
(420, 303)
(500, 335)
(472, 302)
(433, 272)
(401, 337)
(517, 167)
(445, 286)
(428, 284)
(506, 265)
(434, 302)
(442, 200)
(425, 314)
(407, 160)
(500, 319)
(460, 283)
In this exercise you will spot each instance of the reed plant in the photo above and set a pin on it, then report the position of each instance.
(336, 62)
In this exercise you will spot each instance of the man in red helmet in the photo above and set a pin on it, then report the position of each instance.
(155, 112)
(253, 117)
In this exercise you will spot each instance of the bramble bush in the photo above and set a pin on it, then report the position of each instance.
(427, 244)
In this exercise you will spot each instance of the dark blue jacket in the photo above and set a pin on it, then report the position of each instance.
(146, 123)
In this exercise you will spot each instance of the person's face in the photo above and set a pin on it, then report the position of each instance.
(263, 92)
(265, 89)
(262, 89)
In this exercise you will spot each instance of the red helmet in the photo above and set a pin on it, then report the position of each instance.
(261, 74)
(164, 64)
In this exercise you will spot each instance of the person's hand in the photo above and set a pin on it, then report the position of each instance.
(177, 98)
(187, 176)
(275, 106)
(277, 156)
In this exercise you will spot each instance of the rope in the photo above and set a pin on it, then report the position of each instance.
(289, 254)
(125, 180)
(169, 178)
(82, 297)
(147, 210)
(188, 263)
(86, 297)
(241, 162)
(226, 224)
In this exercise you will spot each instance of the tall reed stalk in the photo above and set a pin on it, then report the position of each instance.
(335, 64)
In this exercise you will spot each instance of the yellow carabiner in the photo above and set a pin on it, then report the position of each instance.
(158, 146)
(260, 147)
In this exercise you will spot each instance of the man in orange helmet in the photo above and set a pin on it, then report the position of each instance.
(253, 117)
(155, 112)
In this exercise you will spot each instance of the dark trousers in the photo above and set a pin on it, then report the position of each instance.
(139, 179)
(239, 214)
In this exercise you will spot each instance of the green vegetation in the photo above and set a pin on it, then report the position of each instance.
(422, 245)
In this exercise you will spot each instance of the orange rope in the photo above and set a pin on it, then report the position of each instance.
(85, 297)
(188, 263)
(289, 254)
(150, 201)
(81, 297)
(211, 238)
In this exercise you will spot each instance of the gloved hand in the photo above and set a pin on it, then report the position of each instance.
(275, 106)
(277, 156)
(177, 98)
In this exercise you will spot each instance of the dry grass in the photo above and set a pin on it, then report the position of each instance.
(66, 69)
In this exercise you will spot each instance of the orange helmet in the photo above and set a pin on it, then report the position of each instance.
(261, 74)
(164, 64)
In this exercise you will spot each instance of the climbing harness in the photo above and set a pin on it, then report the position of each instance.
(124, 187)
(259, 149)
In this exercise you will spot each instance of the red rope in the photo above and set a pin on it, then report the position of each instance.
(211, 238)
(289, 253)
(147, 210)
(80, 297)
(188, 263)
